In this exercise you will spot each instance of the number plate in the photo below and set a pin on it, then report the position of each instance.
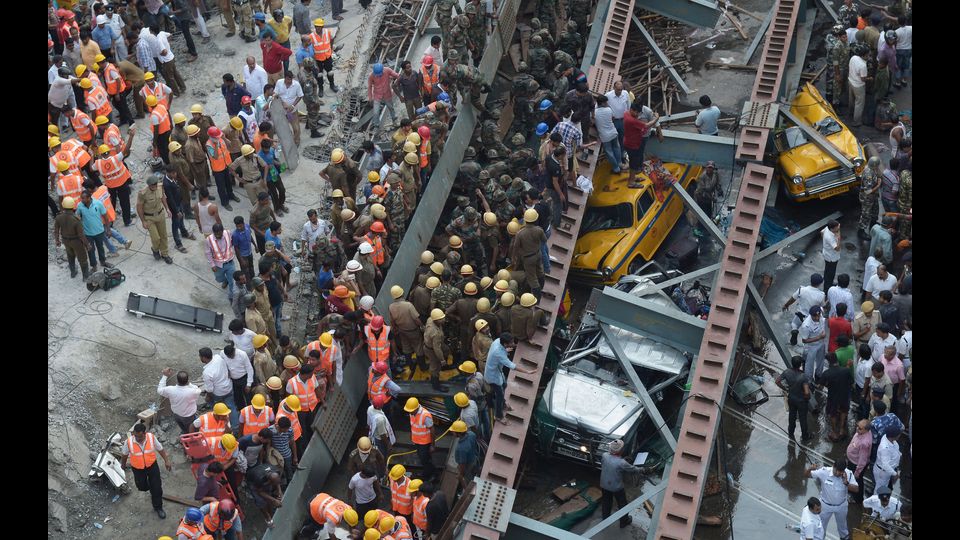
(834, 191)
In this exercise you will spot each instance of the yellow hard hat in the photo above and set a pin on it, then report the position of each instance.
(470, 289)
(414, 138)
(409, 147)
(410, 158)
(179, 118)
(480, 324)
(458, 426)
(62, 166)
(466, 270)
(101, 120)
(337, 193)
(371, 518)
(483, 304)
(373, 177)
(174, 146)
(236, 122)
(490, 218)
(68, 203)
(461, 398)
(104, 149)
(347, 214)
(148, 76)
(414, 403)
(351, 517)
(221, 409)
(364, 444)
(426, 257)
(290, 361)
(337, 155)
(468, 367)
(86, 84)
(164, 538)
(260, 340)
(54, 141)
(501, 286)
(275, 383)
(528, 300)
(378, 211)
(80, 69)
(503, 274)
(397, 471)
(508, 299)
(229, 442)
(293, 402)
(196, 108)
(372, 534)
(246, 149)
(258, 401)
(414, 486)
(193, 129)
(318, 21)
(436, 268)
(95, 68)
(433, 282)
(530, 215)
(396, 292)
(437, 314)
(387, 523)
(99, 58)
(326, 339)
(53, 130)
(151, 101)
(485, 282)
(513, 227)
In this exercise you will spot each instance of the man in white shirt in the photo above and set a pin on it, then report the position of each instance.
(217, 383)
(882, 505)
(290, 92)
(813, 334)
(835, 483)
(167, 64)
(831, 252)
(880, 341)
(119, 44)
(434, 50)
(619, 102)
(806, 297)
(879, 282)
(811, 528)
(254, 77)
(378, 426)
(183, 398)
(840, 293)
(904, 47)
(870, 269)
(389, 164)
(313, 229)
(240, 371)
(855, 82)
(242, 337)
(905, 343)
(886, 468)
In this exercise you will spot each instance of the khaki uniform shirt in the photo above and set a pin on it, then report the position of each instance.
(527, 242)
(403, 316)
(254, 321)
(152, 202)
(523, 321)
(250, 168)
(420, 298)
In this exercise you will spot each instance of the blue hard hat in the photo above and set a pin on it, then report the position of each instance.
(194, 515)
(259, 17)
(378, 69)
(444, 97)
(542, 128)
(545, 104)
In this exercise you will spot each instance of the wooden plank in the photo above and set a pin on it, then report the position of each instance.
(736, 24)
(564, 493)
(515, 59)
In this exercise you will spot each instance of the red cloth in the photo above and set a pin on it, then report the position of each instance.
(634, 131)
(378, 87)
(273, 59)
(838, 326)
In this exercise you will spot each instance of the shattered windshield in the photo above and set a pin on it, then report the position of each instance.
(599, 218)
(794, 137)
(827, 126)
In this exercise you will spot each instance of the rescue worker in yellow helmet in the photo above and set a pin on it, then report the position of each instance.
(328, 513)
(68, 232)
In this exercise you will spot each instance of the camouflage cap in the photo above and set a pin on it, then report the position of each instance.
(453, 54)
(471, 9)
(470, 213)
(495, 114)
(453, 257)
(523, 67)
(536, 41)
(505, 179)
(499, 195)
(838, 29)
(535, 23)
(462, 201)
(518, 139)
(463, 21)
(470, 152)
(492, 154)
(484, 175)
(572, 25)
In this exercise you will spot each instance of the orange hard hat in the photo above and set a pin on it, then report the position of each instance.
(379, 191)
(340, 291)
(377, 227)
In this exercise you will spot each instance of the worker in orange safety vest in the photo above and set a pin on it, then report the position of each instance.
(322, 42)
(96, 98)
(305, 387)
(256, 416)
(420, 502)
(377, 336)
(160, 127)
(214, 423)
(140, 452)
(401, 501)
(69, 184)
(421, 434)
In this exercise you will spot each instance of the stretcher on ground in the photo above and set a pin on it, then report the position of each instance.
(157, 308)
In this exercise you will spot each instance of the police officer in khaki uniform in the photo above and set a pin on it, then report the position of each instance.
(420, 296)
(502, 310)
(434, 347)
(526, 251)
(68, 232)
(460, 312)
(154, 212)
(408, 330)
(524, 317)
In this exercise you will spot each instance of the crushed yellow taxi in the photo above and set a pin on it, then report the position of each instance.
(623, 227)
(808, 172)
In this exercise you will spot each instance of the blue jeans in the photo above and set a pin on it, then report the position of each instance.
(614, 154)
(224, 274)
(544, 251)
(178, 229)
(618, 123)
(96, 243)
(904, 56)
(498, 400)
(115, 234)
(277, 314)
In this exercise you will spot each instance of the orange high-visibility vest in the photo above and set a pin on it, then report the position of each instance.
(378, 386)
(70, 185)
(282, 412)
(219, 453)
(220, 159)
(378, 348)
(420, 512)
(85, 131)
(322, 49)
(101, 194)
(94, 79)
(113, 139)
(211, 427)
(253, 422)
(63, 155)
(78, 150)
(306, 391)
(144, 456)
(116, 84)
(404, 532)
(313, 346)
(163, 117)
(377, 254)
(114, 172)
(160, 91)
(325, 508)
(212, 522)
(221, 256)
(400, 500)
(424, 154)
(326, 359)
(191, 532)
(430, 78)
(419, 431)
(98, 100)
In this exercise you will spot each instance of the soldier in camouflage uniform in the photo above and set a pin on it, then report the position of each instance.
(522, 158)
(490, 134)
(311, 98)
(846, 11)
(327, 251)
(579, 11)
(444, 18)
(523, 88)
(462, 204)
(515, 192)
(503, 208)
(470, 79)
(460, 38)
(438, 123)
(547, 13)
(838, 59)
(393, 202)
(545, 35)
(905, 201)
(490, 239)
(571, 41)
(498, 165)
(489, 186)
(448, 73)
(540, 61)
(467, 227)
(869, 195)
(477, 32)
(446, 294)
(468, 174)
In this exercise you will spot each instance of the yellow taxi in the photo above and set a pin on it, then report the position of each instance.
(623, 227)
(806, 170)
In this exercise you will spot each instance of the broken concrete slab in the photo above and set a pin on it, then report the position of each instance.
(110, 390)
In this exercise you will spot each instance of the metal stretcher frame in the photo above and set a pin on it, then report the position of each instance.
(157, 308)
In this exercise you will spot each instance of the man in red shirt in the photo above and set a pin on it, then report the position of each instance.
(273, 56)
(839, 325)
(634, 130)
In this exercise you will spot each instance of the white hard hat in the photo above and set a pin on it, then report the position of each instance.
(366, 303)
(365, 248)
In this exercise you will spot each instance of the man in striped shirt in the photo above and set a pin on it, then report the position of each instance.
(283, 441)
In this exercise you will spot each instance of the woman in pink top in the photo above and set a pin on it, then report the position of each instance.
(858, 455)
